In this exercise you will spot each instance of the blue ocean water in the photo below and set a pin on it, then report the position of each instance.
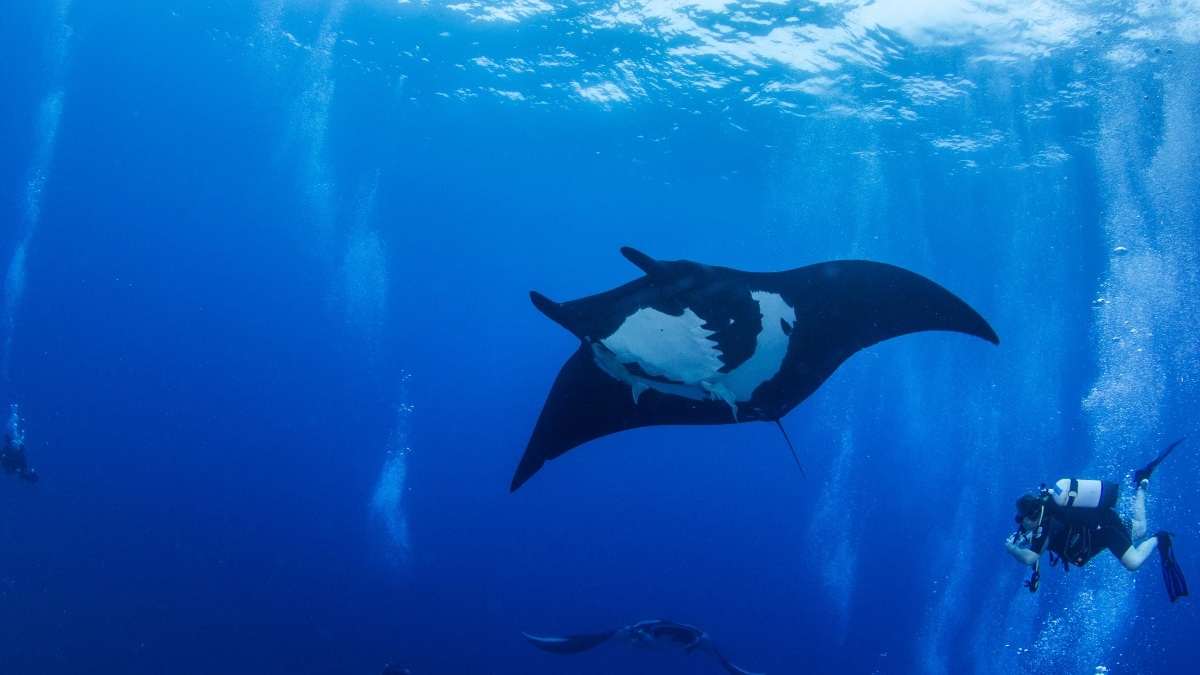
(268, 337)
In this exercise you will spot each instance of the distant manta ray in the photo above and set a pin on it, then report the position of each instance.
(691, 343)
(654, 635)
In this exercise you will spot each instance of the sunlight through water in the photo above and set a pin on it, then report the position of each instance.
(388, 502)
(49, 118)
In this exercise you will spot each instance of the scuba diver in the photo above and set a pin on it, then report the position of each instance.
(12, 458)
(1074, 520)
(393, 668)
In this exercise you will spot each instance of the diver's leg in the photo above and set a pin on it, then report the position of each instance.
(1138, 526)
(1136, 555)
(1115, 536)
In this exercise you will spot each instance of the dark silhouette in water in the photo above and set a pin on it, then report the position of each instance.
(12, 458)
(655, 635)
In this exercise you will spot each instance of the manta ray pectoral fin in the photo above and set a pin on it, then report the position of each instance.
(734, 670)
(571, 644)
(896, 301)
(586, 402)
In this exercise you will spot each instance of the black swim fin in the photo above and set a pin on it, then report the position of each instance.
(1172, 575)
(1144, 472)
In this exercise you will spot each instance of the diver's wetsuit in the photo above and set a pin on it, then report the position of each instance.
(1076, 534)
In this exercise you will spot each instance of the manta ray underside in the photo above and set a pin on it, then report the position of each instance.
(690, 343)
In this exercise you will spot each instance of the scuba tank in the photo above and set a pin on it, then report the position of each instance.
(1096, 494)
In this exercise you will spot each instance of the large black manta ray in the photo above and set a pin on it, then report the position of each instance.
(691, 343)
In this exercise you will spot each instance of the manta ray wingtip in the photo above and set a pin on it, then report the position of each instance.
(986, 332)
(529, 465)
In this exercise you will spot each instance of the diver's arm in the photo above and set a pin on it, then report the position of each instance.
(1023, 555)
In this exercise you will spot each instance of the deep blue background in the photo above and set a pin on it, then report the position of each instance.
(210, 408)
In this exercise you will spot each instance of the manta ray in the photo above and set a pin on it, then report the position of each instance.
(654, 635)
(689, 343)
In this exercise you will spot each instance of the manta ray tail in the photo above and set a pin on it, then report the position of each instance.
(791, 447)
